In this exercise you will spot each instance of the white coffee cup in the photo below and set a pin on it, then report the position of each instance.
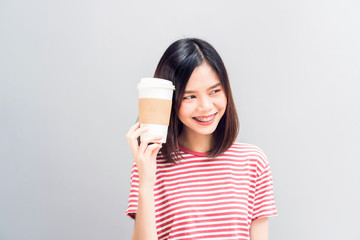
(155, 100)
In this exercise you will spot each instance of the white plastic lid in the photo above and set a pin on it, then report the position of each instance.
(155, 82)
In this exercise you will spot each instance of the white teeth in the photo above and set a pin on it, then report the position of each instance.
(205, 119)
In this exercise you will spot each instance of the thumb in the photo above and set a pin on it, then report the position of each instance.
(156, 149)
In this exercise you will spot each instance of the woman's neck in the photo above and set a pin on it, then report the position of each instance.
(198, 143)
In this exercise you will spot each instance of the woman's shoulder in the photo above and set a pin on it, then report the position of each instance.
(251, 151)
(245, 147)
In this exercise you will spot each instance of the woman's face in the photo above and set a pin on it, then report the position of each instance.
(204, 102)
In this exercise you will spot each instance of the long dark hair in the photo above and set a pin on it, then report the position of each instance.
(177, 64)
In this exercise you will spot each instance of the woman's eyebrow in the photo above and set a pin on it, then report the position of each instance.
(213, 86)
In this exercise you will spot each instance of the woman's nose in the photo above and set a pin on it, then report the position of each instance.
(205, 104)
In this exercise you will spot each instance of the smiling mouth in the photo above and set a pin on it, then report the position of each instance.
(205, 119)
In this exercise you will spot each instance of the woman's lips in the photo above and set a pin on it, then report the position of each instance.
(205, 120)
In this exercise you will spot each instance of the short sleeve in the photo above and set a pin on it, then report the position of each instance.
(134, 193)
(264, 202)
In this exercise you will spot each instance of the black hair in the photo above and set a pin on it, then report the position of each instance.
(177, 64)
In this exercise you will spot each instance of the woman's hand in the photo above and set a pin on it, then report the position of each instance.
(144, 155)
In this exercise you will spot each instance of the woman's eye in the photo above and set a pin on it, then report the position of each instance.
(215, 91)
(189, 97)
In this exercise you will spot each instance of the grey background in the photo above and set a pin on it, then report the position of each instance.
(68, 75)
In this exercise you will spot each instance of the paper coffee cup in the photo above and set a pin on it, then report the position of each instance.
(155, 99)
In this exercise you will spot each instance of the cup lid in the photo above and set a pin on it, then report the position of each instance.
(155, 82)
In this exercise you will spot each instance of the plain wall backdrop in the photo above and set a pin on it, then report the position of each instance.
(68, 75)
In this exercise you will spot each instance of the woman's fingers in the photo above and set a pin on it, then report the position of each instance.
(132, 137)
(131, 131)
(134, 127)
(152, 150)
(145, 143)
(133, 134)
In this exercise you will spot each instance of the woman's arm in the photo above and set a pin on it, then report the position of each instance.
(145, 224)
(259, 229)
(145, 159)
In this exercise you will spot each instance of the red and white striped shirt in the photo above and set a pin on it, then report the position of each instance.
(203, 198)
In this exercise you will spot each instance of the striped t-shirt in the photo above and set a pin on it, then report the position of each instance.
(203, 198)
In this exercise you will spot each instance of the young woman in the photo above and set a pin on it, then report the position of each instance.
(201, 184)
